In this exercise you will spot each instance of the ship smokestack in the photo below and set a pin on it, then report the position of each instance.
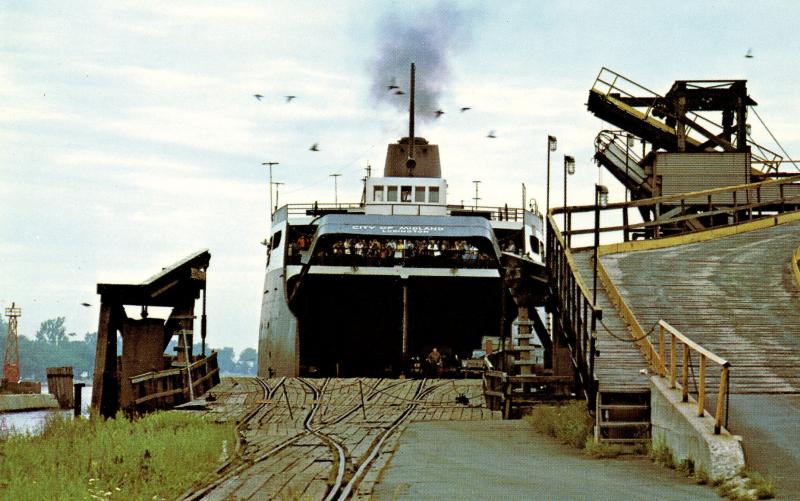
(411, 162)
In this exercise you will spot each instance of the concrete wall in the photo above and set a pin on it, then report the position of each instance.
(676, 425)
(27, 402)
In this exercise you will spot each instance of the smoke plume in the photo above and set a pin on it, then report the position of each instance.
(425, 37)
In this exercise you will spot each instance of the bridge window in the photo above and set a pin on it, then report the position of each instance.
(422, 252)
(377, 195)
(535, 245)
(405, 194)
(391, 193)
(433, 194)
(419, 194)
(276, 239)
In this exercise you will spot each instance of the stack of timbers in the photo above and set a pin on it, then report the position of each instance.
(527, 382)
(59, 384)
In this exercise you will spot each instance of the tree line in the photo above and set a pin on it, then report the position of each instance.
(53, 346)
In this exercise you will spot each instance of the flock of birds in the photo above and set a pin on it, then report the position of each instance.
(396, 90)
(392, 87)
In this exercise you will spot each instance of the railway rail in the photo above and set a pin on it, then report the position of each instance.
(327, 438)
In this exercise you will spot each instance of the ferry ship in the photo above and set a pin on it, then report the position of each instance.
(367, 289)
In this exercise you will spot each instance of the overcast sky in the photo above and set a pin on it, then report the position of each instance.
(130, 137)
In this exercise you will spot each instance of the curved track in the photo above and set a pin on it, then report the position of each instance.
(313, 438)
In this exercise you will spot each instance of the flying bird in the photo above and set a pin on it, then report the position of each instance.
(399, 92)
(749, 54)
(314, 147)
(392, 85)
(86, 304)
(465, 108)
(438, 113)
(491, 134)
(289, 98)
(258, 96)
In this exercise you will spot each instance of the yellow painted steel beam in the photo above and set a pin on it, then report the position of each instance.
(700, 236)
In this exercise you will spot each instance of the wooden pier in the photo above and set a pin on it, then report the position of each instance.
(326, 438)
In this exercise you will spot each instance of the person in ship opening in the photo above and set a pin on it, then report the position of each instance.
(435, 362)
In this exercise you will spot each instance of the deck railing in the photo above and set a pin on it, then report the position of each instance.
(495, 213)
(689, 346)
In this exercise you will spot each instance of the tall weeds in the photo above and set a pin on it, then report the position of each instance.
(156, 457)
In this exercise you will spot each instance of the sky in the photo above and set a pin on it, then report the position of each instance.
(130, 136)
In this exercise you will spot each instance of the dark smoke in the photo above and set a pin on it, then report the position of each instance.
(425, 37)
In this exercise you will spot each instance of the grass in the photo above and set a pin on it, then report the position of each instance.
(156, 457)
(662, 454)
(570, 423)
(601, 450)
(764, 485)
(745, 486)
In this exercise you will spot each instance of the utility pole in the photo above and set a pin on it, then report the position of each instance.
(336, 188)
(277, 185)
(270, 164)
(476, 197)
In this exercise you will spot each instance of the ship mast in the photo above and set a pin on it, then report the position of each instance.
(411, 162)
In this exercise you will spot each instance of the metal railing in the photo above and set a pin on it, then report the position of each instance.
(576, 314)
(495, 213)
(746, 202)
(690, 346)
(609, 82)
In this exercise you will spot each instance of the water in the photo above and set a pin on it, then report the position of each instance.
(32, 421)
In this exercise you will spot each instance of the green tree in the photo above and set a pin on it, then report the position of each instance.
(248, 355)
(53, 332)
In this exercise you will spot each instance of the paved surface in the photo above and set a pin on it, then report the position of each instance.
(770, 425)
(508, 460)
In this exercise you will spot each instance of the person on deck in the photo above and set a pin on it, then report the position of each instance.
(435, 362)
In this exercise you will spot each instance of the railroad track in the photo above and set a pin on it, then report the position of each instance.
(317, 438)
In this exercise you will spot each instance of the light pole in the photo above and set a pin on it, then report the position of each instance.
(569, 168)
(336, 188)
(270, 164)
(600, 200)
(552, 143)
(476, 197)
(628, 146)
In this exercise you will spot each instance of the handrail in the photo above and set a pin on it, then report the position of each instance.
(752, 197)
(657, 360)
(689, 345)
(496, 213)
(763, 154)
(575, 314)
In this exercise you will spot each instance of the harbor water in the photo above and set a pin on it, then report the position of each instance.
(32, 421)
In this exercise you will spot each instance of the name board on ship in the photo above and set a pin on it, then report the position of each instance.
(389, 229)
